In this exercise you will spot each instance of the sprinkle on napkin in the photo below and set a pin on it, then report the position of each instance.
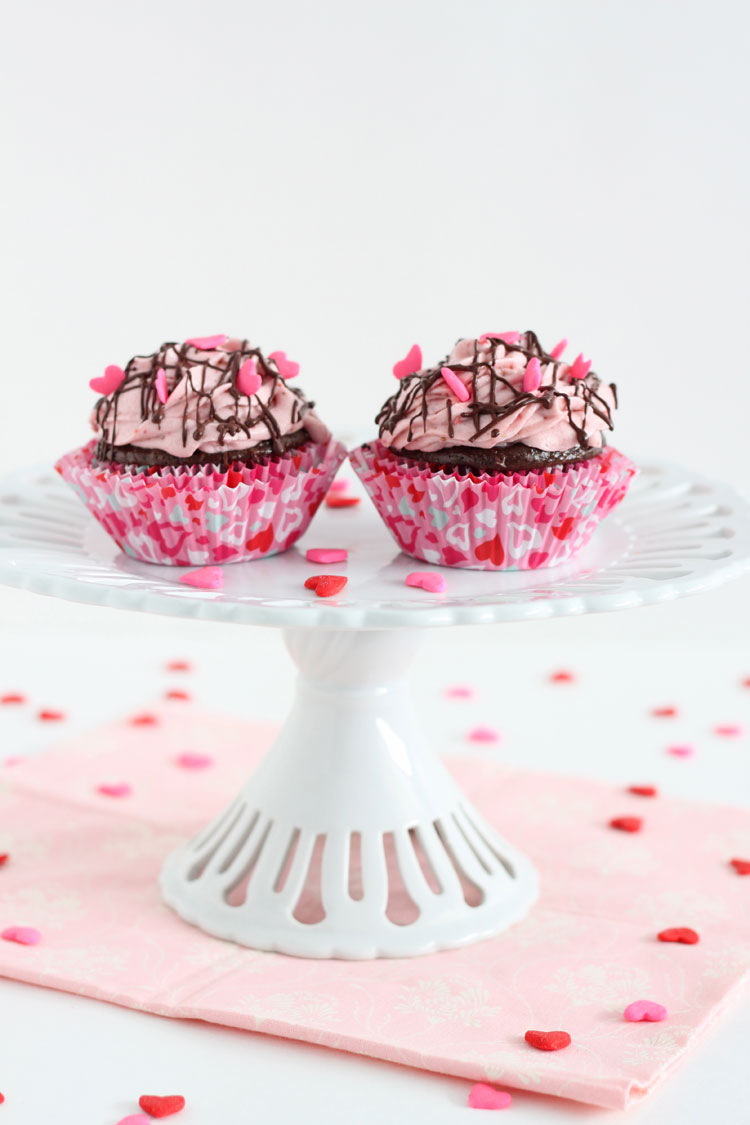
(4, 857)
(643, 790)
(115, 789)
(161, 1106)
(483, 734)
(626, 823)
(548, 1040)
(741, 866)
(144, 720)
(683, 935)
(484, 1096)
(648, 1010)
(21, 935)
(193, 761)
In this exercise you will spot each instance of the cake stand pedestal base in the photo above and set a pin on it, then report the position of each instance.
(351, 839)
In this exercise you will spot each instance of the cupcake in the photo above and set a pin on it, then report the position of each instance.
(203, 454)
(496, 458)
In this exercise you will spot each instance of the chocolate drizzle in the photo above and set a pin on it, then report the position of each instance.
(186, 362)
(410, 400)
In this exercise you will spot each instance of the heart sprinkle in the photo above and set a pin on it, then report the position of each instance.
(682, 934)
(411, 362)
(428, 580)
(484, 1096)
(645, 1010)
(664, 712)
(12, 697)
(161, 1107)
(563, 676)
(483, 734)
(459, 691)
(50, 716)
(179, 666)
(194, 761)
(207, 343)
(115, 789)
(110, 381)
(21, 935)
(326, 555)
(339, 485)
(286, 368)
(643, 790)
(741, 866)
(341, 501)
(505, 337)
(206, 578)
(728, 730)
(162, 391)
(548, 1040)
(248, 380)
(681, 751)
(4, 857)
(460, 391)
(144, 720)
(135, 1119)
(580, 368)
(532, 376)
(326, 585)
(174, 693)
(559, 348)
(626, 823)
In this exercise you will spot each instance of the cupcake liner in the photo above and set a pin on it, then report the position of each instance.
(519, 521)
(204, 514)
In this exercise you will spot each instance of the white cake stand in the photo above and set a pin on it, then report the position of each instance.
(351, 839)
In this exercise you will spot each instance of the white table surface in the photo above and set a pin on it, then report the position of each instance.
(71, 1060)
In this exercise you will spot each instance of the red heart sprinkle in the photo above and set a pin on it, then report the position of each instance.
(548, 1040)
(144, 721)
(643, 790)
(664, 712)
(179, 666)
(161, 1107)
(562, 677)
(626, 823)
(174, 694)
(741, 866)
(50, 716)
(13, 697)
(2, 1098)
(342, 501)
(4, 857)
(682, 934)
(326, 585)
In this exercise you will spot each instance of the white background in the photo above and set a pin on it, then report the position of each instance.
(342, 180)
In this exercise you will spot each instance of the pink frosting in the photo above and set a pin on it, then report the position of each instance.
(165, 429)
(538, 423)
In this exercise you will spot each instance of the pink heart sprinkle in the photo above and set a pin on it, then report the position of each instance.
(411, 362)
(22, 935)
(645, 1010)
(728, 730)
(109, 382)
(532, 376)
(428, 580)
(506, 337)
(558, 349)
(161, 385)
(681, 751)
(459, 691)
(460, 391)
(326, 555)
(117, 789)
(248, 379)
(136, 1119)
(483, 1096)
(207, 343)
(580, 368)
(286, 368)
(206, 578)
(483, 734)
(193, 761)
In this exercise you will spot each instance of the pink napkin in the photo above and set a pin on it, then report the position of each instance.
(83, 870)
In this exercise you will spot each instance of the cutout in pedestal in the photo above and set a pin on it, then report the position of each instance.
(309, 908)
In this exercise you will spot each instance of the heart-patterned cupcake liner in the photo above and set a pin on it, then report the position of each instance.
(519, 521)
(205, 514)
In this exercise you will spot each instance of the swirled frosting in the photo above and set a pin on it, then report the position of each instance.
(204, 410)
(424, 415)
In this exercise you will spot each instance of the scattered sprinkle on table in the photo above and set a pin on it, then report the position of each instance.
(338, 501)
(626, 823)
(548, 1040)
(194, 761)
(326, 585)
(326, 555)
(741, 866)
(12, 697)
(459, 691)
(643, 790)
(428, 580)
(648, 1010)
(2, 1098)
(174, 693)
(4, 857)
(728, 730)
(161, 1106)
(135, 1119)
(562, 676)
(483, 734)
(206, 578)
(664, 712)
(484, 1096)
(50, 716)
(21, 935)
(115, 789)
(144, 720)
(681, 751)
(683, 935)
(179, 666)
